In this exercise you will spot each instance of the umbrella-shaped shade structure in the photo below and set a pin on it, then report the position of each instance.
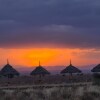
(96, 74)
(39, 70)
(0, 74)
(96, 69)
(9, 71)
(70, 69)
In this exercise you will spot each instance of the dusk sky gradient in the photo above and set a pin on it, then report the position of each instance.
(52, 31)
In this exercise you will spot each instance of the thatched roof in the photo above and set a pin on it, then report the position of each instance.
(96, 69)
(8, 69)
(70, 69)
(39, 71)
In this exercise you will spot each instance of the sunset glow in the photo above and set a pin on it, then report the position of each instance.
(48, 57)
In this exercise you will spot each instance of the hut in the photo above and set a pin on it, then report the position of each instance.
(70, 70)
(40, 71)
(0, 74)
(96, 74)
(96, 69)
(8, 71)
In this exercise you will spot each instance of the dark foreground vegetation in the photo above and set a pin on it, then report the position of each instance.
(55, 93)
(71, 92)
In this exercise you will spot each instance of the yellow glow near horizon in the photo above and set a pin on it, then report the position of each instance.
(48, 57)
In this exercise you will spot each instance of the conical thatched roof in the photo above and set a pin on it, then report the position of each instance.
(70, 69)
(8, 69)
(39, 71)
(96, 69)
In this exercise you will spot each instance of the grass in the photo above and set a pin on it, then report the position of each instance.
(55, 93)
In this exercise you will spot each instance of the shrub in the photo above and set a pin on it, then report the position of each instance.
(56, 93)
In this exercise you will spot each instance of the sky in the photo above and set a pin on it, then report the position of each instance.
(49, 31)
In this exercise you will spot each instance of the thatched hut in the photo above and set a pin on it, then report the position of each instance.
(96, 74)
(0, 74)
(96, 69)
(70, 70)
(40, 71)
(9, 71)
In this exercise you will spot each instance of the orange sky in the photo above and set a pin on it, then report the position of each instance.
(49, 57)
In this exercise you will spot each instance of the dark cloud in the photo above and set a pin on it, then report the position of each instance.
(61, 23)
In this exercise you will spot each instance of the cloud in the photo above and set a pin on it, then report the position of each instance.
(60, 23)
